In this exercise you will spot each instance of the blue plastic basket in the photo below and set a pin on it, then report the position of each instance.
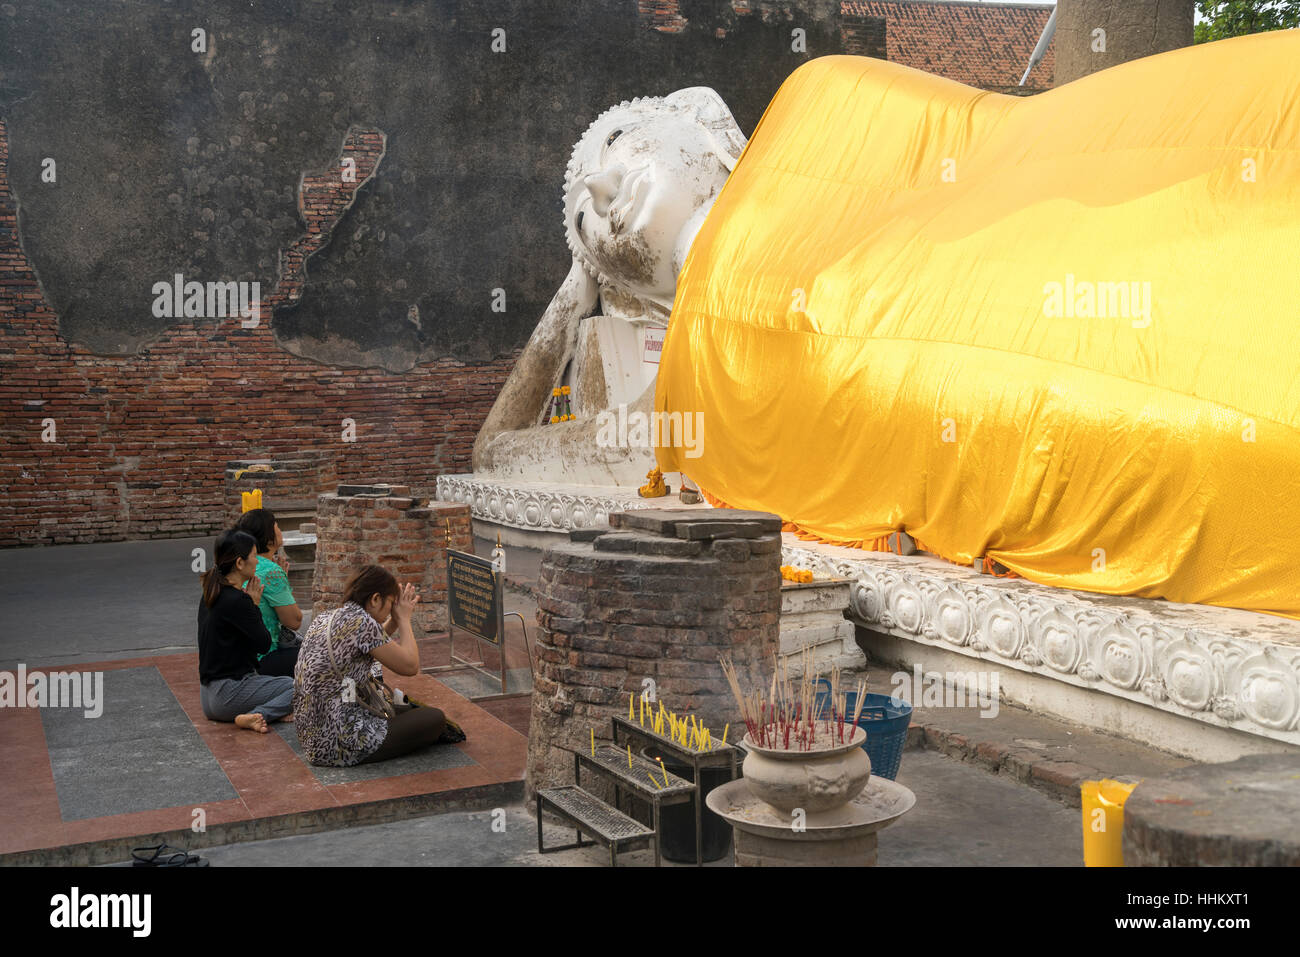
(884, 720)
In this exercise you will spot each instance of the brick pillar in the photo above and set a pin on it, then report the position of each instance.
(292, 486)
(382, 525)
(660, 595)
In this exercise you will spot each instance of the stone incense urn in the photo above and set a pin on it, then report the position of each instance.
(821, 781)
(842, 805)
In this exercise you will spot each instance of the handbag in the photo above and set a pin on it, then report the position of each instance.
(288, 638)
(370, 693)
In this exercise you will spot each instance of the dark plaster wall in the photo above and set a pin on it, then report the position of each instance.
(175, 161)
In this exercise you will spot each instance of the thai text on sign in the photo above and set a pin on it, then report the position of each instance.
(473, 595)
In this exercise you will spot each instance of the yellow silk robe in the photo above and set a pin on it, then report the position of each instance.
(1059, 331)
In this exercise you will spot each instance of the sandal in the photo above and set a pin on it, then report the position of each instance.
(163, 855)
(452, 733)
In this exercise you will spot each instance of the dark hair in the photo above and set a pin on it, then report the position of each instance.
(371, 580)
(260, 523)
(231, 546)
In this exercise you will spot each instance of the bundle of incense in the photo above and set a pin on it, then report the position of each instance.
(793, 714)
(749, 713)
(857, 711)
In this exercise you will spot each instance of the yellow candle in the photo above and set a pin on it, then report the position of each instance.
(629, 757)
(664, 770)
(629, 706)
(725, 729)
(652, 780)
(593, 742)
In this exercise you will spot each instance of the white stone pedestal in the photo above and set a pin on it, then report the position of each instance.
(812, 616)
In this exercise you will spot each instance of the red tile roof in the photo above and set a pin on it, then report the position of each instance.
(986, 45)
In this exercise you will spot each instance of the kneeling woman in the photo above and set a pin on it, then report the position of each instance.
(231, 636)
(336, 727)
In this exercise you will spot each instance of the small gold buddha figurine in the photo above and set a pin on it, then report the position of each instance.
(654, 487)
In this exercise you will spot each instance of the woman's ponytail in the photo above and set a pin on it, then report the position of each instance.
(231, 546)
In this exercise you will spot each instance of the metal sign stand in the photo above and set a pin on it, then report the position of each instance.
(498, 633)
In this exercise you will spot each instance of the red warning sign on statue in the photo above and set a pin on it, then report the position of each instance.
(654, 345)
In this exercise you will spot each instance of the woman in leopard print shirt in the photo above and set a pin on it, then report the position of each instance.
(334, 728)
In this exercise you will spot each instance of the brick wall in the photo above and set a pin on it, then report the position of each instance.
(660, 596)
(140, 443)
(395, 530)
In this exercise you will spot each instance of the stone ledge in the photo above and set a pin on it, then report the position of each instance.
(1060, 780)
(383, 811)
(546, 507)
(1242, 813)
(1218, 666)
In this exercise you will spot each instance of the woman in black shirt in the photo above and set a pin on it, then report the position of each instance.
(231, 636)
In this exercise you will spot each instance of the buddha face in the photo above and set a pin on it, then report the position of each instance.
(639, 182)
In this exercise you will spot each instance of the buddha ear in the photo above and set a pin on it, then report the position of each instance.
(712, 112)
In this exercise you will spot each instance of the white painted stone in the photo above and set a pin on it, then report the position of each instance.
(815, 596)
(1218, 667)
(812, 616)
(543, 506)
(814, 631)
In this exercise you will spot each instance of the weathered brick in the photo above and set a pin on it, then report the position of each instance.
(730, 550)
(666, 610)
(616, 542)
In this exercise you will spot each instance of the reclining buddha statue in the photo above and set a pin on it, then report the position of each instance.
(638, 186)
(1059, 333)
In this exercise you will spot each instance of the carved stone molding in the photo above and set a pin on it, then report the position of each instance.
(540, 507)
(1224, 667)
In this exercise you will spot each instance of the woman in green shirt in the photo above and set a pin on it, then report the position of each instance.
(278, 606)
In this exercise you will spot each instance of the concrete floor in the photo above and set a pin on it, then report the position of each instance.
(963, 817)
(65, 604)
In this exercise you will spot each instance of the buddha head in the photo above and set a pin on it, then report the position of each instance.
(639, 183)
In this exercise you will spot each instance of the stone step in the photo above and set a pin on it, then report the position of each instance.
(813, 635)
(827, 657)
(816, 596)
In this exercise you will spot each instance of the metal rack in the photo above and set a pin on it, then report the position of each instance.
(718, 756)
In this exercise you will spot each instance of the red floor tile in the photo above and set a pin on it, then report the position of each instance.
(270, 779)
